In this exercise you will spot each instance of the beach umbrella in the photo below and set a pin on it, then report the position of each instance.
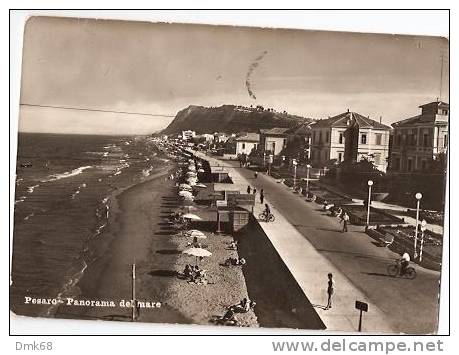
(192, 216)
(196, 233)
(184, 193)
(197, 252)
(200, 170)
(200, 185)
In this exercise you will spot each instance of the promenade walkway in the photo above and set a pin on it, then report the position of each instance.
(310, 268)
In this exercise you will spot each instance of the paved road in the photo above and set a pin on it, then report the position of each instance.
(412, 305)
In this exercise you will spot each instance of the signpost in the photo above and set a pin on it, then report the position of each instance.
(362, 307)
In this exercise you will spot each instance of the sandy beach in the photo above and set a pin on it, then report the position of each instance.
(138, 232)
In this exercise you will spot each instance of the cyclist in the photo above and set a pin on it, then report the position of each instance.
(267, 211)
(404, 263)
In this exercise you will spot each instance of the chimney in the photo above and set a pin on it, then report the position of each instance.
(380, 119)
(348, 110)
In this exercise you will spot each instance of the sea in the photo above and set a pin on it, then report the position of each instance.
(62, 206)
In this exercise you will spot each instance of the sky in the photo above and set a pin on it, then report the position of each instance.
(159, 68)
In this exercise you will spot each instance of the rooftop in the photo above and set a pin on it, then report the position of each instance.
(276, 131)
(439, 104)
(342, 120)
(249, 137)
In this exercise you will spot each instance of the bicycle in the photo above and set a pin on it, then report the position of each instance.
(264, 217)
(394, 270)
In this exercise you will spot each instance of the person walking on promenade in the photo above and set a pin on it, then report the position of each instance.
(345, 220)
(330, 290)
(249, 189)
(256, 174)
(262, 196)
(254, 191)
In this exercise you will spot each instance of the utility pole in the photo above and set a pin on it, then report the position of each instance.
(441, 74)
(134, 302)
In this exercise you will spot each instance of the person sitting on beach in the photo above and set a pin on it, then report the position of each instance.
(233, 245)
(195, 243)
(188, 271)
(229, 316)
(235, 262)
(244, 306)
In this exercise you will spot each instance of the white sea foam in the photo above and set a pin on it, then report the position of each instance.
(28, 216)
(31, 188)
(67, 174)
(21, 199)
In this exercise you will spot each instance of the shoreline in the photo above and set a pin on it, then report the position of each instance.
(108, 277)
(139, 231)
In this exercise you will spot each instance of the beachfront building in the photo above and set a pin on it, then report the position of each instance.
(418, 140)
(188, 134)
(299, 142)
(246, 143)
(274, 140)
(349, 136)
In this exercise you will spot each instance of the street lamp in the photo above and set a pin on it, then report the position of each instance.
(423, 229)
(307, 179)
(370, 184)
(270, 162)
(418, 198)
(294, 173)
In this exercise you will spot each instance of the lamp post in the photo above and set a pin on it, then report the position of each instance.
(418, 202)
(370, 184)
(307, 179)
(423, 229)
(270, 163)
(294, 162)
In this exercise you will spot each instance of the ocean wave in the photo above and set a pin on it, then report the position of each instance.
(67, 174)
(69, 288)
(31, 188)
(147, 172)
(99, 230)
(21, 199)
(78, 190)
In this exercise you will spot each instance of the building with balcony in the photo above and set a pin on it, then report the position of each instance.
(418, 140)
(349, 136)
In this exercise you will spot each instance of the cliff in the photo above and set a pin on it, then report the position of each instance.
(230, 119)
